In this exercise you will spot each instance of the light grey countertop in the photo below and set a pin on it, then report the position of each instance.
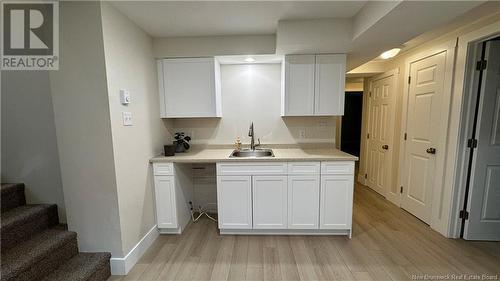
(219, 154)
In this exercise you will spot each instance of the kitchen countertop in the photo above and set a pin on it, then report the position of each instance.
(204, 155)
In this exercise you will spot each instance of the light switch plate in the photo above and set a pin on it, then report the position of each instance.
(127, 118)
(124, 96)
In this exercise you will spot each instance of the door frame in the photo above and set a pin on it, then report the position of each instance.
(394, 72)
(462, 120)
(437, 199)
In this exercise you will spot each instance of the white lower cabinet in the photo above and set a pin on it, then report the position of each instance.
(285, 198)
(336, 201)
(234, 201)
(303, 201)
(165, 202)
(269, 202)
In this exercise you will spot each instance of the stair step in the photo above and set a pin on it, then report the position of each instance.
(12, 196)
(37, 257)
(83, 267)
(20, 223)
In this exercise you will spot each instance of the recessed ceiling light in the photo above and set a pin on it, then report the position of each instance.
(250, 59)
(390, 54)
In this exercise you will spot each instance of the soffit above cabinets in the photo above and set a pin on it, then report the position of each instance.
(362, 29)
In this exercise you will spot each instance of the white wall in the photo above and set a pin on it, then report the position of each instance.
(251, 93)
(204, 46)
(130, 65)
(82, 120)
(314, 36)
(29, 145)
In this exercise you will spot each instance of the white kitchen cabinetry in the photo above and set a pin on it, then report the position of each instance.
(337, 186)
(269, 202)
(234, 201)
(313, 85)
(173, 188)
(303, 201)
(329, 86)
(189, 87)
(285, 198)
(165, 202)
(298, 72)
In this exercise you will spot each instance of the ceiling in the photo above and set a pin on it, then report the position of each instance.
(210, 18)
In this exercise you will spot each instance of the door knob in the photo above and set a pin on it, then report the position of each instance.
(431, 150)
(385, 146)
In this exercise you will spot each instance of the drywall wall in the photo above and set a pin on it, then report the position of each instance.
(130, 65)
(29, 145)
(204, 46)
(252, 93)
(314, 36)
(82, 120)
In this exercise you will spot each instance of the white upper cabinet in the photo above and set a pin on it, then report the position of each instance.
(329, 86)
(313, 85)
(189, 87)
(298, 71)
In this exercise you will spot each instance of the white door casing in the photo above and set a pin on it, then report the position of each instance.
(380, 134)
(484, 192)
(424, 131)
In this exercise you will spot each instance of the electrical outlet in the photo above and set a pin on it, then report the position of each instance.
(302, 134)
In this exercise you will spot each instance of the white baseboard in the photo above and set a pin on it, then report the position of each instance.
(122, 266)
(361, 179)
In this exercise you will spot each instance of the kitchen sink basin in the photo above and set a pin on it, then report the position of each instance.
(248, 153)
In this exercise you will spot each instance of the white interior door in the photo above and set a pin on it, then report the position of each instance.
(380, 134)
(425, 97)
(484, 192)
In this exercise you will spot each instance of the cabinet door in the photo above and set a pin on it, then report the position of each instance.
(269, 202)
(336, 201)
(298, 85)
(166, 216)
(329, 85)
(189, 87)
(303, 202)
(234, 202)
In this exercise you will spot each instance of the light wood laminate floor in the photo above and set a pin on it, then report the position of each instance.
(388, 244)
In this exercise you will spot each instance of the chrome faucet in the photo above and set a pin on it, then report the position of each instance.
(252, 135)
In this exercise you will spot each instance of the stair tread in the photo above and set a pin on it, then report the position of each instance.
(80, 268)
(10, 187)
(12, 195)
(22, 256)
(22, 214)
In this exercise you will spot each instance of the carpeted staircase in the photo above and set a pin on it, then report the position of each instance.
(35, 247)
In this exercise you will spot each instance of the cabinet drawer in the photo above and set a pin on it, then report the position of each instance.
(301, 168)
(251, 168)
(338, 168)
(163, 169)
